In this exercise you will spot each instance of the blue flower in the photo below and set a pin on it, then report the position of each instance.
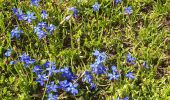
(72, 88)
(42, 24)
(67, 73)
(18, 13)
(128, 10)
(12, 62)
(127, 98)
(37, 29)
(130, 59)
(96, 7)
(66, 70)
(52, 87)
(37, 69)
(41, 34)
(92, 86)
(100, 57)
(117, 1)
(41, 79)
(68, 86)
(130, 75)
(114, 69)
(29, 16)
(28, 62)
(114, 76)
(44, 14)
(15, 10)
(35, 2)
(26, 59)
(52, 70)
(88, 77)
(52, 97)
(74, 10)
(23, 57)
(145, 64)
(16, 33)
(49, 64)
(98, 68)
(51, 28)
(63, 84)
(8, 52)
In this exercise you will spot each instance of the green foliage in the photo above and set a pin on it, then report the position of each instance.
(145, 34)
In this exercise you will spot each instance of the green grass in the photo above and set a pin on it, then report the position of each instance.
(145, 34)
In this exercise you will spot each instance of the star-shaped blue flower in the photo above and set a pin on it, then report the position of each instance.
(35, 2)
(41, 34)
(127, 98)
(100, 57)
(130, 75)
(114, 69)
(51, 28)
(145, 64)
(74, 10)
(72, 88)
(26, 59)
(130, 59)
(49, 64)
(37, 29)
(52, 97)
(52, 87)
(37, 69)
(44, 14)
(42, 24)
(63, 84)
(16, 33)
(52, 70)
(29, 17)
(67, 73)
(98, 68)
(128, 10)
(114, 76)
(8, 52)
(12, 62)
(96, 7)
(92, 86)
(18, 13)
(41, 79)
(88, 77)
(117, 1)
